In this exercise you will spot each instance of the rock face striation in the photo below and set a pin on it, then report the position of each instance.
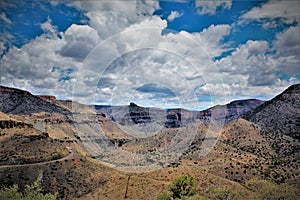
(20, 102)
(177, 117)
(138, 115)
(48, 98)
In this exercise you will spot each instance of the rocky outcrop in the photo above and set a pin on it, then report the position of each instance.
(139, 115)
(38, 137)
(4, 124)
(48, 98)
(10, 124)
(178, 117)
(16, 101)
(173, 120)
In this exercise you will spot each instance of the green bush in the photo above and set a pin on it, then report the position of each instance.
(10, 193)
(181, 188)
(31, 192)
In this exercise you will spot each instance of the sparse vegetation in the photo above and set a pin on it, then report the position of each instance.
(33, 191)
(247, 162)
(268, 190)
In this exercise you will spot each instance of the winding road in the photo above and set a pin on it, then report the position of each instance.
(68, 157)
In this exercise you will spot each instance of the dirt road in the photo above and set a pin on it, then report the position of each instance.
(68, 157)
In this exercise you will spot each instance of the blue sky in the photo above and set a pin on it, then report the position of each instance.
(192, 54)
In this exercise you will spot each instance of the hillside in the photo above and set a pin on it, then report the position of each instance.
(244, 151)
(16, 101)
(280, 115)
(21, 143)
(240, 156)
(53, 157)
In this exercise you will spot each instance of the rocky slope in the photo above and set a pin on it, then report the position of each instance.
(21, 143)
(245, 149)
(16, 101)
(280, 115)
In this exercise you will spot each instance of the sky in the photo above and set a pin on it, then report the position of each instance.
(190, 54)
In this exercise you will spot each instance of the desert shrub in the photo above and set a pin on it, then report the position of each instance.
(31, 192)
(181, 188)
(268, 190)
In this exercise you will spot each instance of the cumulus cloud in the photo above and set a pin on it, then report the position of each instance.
(174, 15)
(286, 11)
(141, 56)
(40, 64)
(211, 38)
(210, 7)
(287, 43)
(252, 71)
(48, 28)
(250, 60)
(132, 59)
(121, 67)
(111, 17)
(80, 40)
(287, 47)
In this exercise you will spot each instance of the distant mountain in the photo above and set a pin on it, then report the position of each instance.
(280, 115)
(176, 117)
(148, 118)
(229, 111)
(16, 101)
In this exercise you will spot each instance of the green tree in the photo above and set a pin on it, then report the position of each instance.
(181, 188)
(31, 192)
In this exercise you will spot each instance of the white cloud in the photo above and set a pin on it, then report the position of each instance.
(174, 15)
(287, 47)
(141, 55)
(211, 38)
(4, 18)
(48, 28)
(250, 60)
(31, 66)
(287, 11)
(251, 71)
(141, 50)
(80, 40)
(2, 48)
(287, 43)
(111, 17)
(210, 7)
